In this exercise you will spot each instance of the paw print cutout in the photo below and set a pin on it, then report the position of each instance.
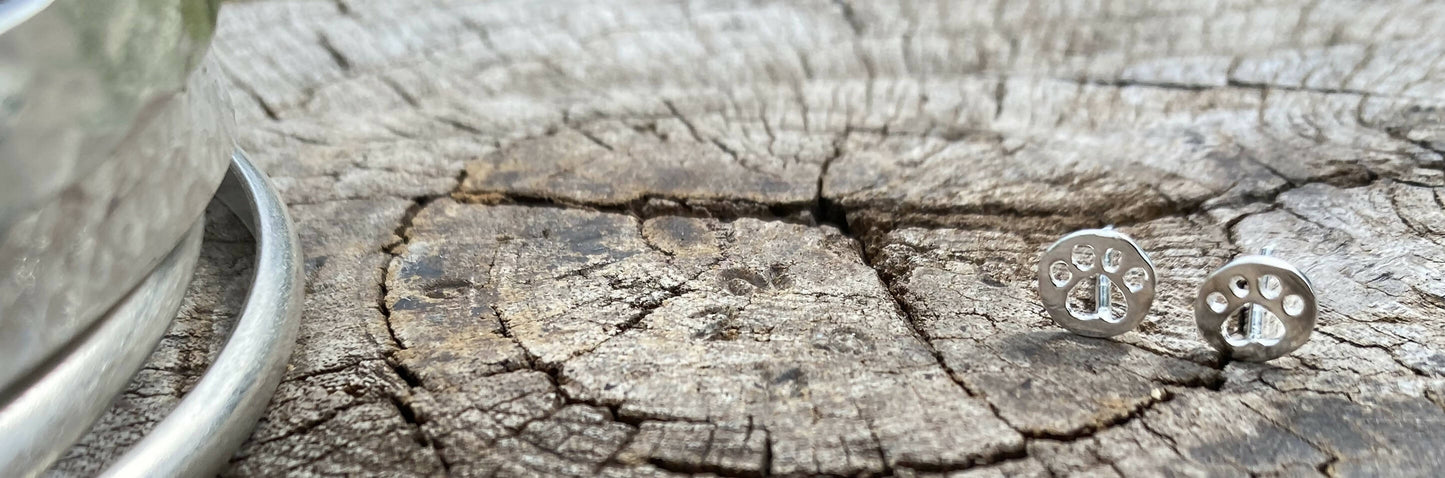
(1256, 308)
(1096, 282)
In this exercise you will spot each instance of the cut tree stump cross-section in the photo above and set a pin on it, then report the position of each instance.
(652, 238)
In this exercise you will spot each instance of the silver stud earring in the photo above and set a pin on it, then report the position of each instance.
(1235, 303)
(1115, 265)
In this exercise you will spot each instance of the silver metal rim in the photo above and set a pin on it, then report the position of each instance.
(218, 414)
(58, 407)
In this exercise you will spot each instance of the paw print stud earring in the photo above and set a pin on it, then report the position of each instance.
(1096, 282)
(1256, 308)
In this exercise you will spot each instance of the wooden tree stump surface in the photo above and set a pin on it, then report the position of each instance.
(647, 238)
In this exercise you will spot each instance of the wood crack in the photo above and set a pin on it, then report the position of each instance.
(948, 140)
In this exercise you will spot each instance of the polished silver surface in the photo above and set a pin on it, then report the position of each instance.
(77, 76)
(114, 135)
(58, 408)
(1235, 303)
(112, 141)
(1114, 264)
(218, 414)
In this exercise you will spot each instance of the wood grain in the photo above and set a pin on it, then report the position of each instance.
(647, 238)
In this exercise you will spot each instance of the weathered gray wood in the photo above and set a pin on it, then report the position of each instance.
(632, 238)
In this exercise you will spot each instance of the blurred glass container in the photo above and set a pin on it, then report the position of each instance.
(113, 137)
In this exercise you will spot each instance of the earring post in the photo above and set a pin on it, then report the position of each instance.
(1103, 300)
(1256, 311)
(1103, 304)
